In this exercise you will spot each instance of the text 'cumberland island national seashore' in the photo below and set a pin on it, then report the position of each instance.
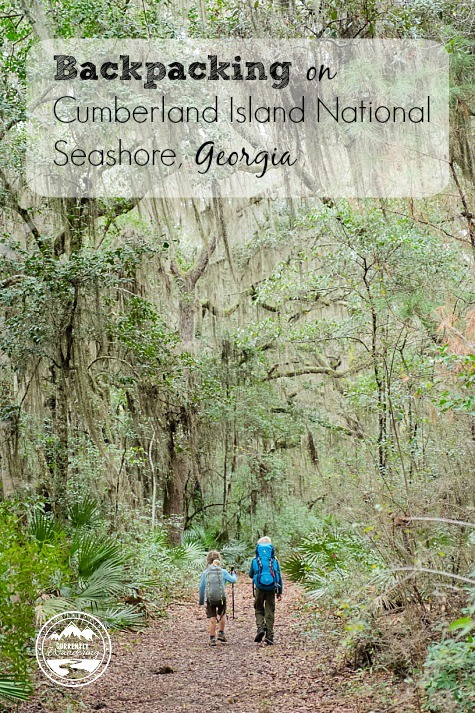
(183, 118)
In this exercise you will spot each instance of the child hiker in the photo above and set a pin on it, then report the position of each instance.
(266, 584)
(213, 592)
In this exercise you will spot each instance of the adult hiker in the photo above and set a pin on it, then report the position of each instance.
(213, 592)
(267, 585)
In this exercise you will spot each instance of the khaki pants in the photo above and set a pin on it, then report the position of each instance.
(264, 605)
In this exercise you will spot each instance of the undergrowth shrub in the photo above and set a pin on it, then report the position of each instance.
(381, 616)
(448, 681)
(28, 567)
(171, 568)
(331, 561)
(48, 566)
(233, 552)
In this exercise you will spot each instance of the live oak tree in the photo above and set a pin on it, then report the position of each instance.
(213, 356)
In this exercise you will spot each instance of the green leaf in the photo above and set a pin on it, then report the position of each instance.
(464, 625)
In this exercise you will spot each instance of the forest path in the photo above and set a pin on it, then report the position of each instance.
(238, 676)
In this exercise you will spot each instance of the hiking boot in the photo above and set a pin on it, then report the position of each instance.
(212, 641)
(269, 640)
(259, 635)
(222, 637)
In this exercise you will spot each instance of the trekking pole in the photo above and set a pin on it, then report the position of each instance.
(232, 590)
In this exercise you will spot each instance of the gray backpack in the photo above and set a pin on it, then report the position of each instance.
(214, 586)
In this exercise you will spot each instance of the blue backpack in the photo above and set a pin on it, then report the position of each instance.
(266, 577)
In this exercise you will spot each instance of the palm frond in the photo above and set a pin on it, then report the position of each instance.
(297, 568)
(195, 534)
(111, 614)
(91, 551)
(14, 690)
(160, 537)
(108, 580)
(191, 554)
(43, 527)
(327, 560)
(52, 606)
(84, 513)
(121, 617)
(235, 552)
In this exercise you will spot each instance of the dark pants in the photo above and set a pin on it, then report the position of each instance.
(264, 605)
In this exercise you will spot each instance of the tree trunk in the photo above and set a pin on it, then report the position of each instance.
(60, 466)
(10, 461)
(174, 483)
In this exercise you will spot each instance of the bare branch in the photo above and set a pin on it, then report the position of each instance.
(207, 305)
(113, 358)
(9, 281)
(273, 374)
(449, 521)
(466, 212)
(439, 572)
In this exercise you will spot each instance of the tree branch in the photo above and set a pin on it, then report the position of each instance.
(272, 374)
(439, 572)
(466, 212)
(9, 281)
(208, 305)
(449, 521)
(201, 264)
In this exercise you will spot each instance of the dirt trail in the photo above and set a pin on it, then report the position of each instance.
(293, 676)
(237, 676)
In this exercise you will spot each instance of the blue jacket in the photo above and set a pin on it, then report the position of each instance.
(253, 571)
(227, 577)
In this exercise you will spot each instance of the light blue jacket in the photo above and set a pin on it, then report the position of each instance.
(227, 577)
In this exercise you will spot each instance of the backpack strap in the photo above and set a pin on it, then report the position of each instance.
(207, 584)
(221, 586)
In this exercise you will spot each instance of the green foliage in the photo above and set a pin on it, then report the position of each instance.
(460, 398)
(47, 567)
(28, 567)
(236, 553)
(449, 671)
(43, 292)
(325, 560)
(233, 552)
(173, 569)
